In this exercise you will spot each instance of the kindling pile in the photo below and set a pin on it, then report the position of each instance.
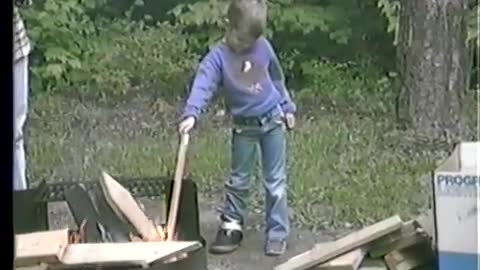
(390, 243)
(446, 238)
(114, 231)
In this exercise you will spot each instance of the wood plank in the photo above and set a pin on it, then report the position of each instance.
(177, 187)
(347, 243)
(373, 268)
(123, 204)
(426, 223)
(134, 253)
(406, 236)
(40, 247)
(118, 229)
(36, 267)
(410, 258)
(409, 240)
(348, 261)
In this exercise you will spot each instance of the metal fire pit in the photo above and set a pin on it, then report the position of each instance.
(30, 213)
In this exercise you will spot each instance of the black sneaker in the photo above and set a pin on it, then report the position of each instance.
(275, 247)
(226, 241)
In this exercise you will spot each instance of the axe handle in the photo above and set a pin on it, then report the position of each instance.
(177, 187)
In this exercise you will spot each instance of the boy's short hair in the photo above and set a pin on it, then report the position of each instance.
(248, 15)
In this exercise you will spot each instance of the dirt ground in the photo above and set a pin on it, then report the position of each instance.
(72, 140)
(249, 256)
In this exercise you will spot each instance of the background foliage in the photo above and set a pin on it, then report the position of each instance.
(88, 46)
(340, 60)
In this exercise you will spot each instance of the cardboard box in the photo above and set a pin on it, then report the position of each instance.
(456, 206)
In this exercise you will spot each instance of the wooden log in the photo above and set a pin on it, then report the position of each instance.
(319, 255)
(124, 205)
(348, 261)
(134, 253)
(40, 247)
(410, 258)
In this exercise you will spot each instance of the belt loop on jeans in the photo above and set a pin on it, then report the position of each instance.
(261, 120)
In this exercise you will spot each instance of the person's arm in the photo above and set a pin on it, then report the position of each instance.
(204, 85)
(278, 78)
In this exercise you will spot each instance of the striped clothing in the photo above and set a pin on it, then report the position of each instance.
(21, 42)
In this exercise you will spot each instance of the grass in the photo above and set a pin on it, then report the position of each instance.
(344, 169)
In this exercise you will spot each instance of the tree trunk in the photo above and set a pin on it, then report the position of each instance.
(435, 66)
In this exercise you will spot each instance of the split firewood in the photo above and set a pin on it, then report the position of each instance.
(123, 204)
(117, 227)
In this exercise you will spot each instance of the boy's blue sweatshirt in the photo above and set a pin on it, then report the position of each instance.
(253, 82)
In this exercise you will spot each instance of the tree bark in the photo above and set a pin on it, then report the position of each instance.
(435, 66)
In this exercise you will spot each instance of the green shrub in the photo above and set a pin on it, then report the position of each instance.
(352, 86)
(77, 53)
(60, 33)
(132, 56)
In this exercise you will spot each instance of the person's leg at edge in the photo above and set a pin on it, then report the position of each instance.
(237, 188)
(273, 152)
(20, 84)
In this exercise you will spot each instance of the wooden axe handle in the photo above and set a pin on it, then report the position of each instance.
(177, 187)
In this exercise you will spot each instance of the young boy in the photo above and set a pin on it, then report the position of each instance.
(247, 67)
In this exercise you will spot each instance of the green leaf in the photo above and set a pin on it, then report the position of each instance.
(75, 63)
(139, 3)
(55, 53)
(54, 70)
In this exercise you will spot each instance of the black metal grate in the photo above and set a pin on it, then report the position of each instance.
(32, 215)
(144, 187)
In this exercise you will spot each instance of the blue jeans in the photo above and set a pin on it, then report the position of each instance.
(269, 134)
